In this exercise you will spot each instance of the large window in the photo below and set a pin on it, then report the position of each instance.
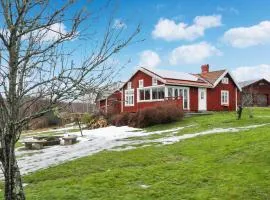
(224, 97)
(129, 97)
(151, 93)
(144, 94)
(158, 93)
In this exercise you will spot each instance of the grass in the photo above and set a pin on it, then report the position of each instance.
(222, 166)
(200, 123)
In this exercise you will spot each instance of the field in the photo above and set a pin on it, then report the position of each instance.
(234, 164)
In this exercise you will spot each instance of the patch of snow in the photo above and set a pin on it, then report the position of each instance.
(109, 138)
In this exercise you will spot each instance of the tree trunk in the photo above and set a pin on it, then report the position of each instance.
(13, 181)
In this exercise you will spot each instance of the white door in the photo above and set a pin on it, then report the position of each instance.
(202, 99)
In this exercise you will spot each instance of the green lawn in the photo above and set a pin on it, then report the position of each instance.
(223, 166)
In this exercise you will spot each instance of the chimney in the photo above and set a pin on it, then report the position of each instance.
(205, 68)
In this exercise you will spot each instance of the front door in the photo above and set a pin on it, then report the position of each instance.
(202, 99)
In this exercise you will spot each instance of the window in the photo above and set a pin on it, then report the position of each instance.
(225, 80)
(176, 92)
(140, 83)
(170, 92)
(129, 97)
(180, 92)
(224, 97)
(144, 94)
(158, 93)
(154, 81)
(202, 94)
(129, 85)
(185, 99)
(152, 93)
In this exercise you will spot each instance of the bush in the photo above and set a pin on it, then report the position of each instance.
(120, 119)
(149, 116)
(86, 118)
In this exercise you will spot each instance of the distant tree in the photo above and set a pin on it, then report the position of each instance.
(36, 66)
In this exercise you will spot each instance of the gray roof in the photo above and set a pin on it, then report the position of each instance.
(249, 82)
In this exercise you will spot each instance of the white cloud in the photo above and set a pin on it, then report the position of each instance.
(252, 72)
(46, 34)
(50, 33)
(242, 37)
(169, 30)
(119, 24)
(194, 53)
(149, 58)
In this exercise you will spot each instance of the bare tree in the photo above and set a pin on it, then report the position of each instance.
(35, 66)
(247, 97)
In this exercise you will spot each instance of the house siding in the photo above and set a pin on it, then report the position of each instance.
(214, 96)
(113, 104)
(213, 99)
(147, 81)
(193, 93)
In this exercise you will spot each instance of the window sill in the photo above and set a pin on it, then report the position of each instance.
(153, 100)
(226, 105)
(129, 105)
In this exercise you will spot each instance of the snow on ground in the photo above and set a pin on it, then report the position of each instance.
(109, 138)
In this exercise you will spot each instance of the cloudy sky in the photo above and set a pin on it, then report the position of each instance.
(183, 35)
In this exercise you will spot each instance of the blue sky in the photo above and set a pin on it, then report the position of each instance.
(183, 35)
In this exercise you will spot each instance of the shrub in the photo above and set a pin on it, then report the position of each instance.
(149, 116)
(120, 119)
(86, 118)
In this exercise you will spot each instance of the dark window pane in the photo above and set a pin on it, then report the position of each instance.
(154, 93)
(161, 93)
(176, 92)
(141, 94)
(147, 94)
(169, 92)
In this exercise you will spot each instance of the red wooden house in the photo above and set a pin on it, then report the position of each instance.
(206, 91)
(256, 92)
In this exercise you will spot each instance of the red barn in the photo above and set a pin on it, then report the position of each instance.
(206, 91)
(256, 92)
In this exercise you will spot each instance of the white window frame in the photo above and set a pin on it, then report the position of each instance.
(154, 81)
(173, 95)
(225, 80)
(128, 96)
(129, 85)
(225, 103)
(151, 94)
(141, 83)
